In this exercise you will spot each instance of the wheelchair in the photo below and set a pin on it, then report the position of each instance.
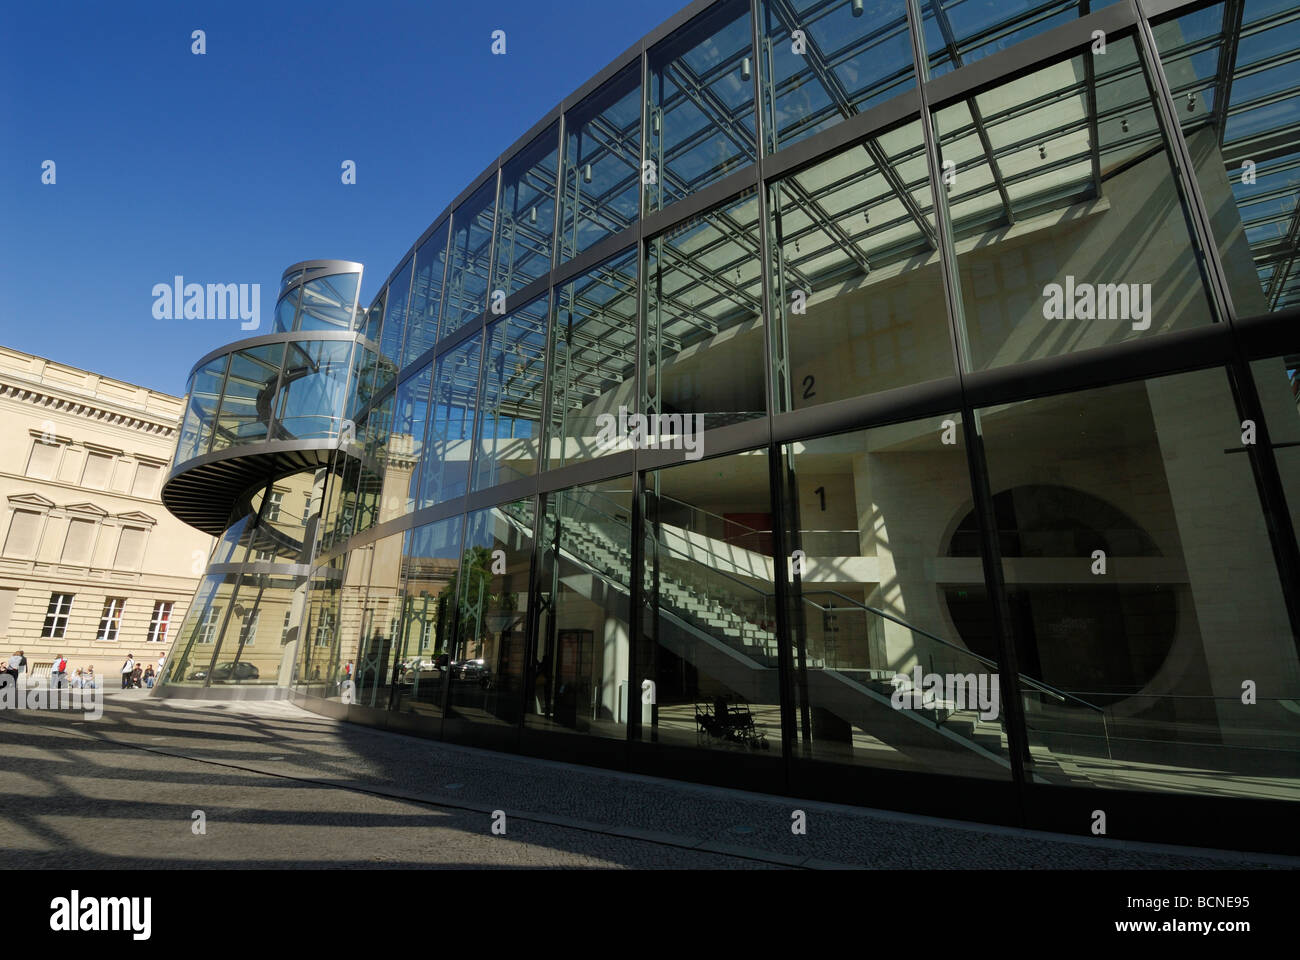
(729, 720)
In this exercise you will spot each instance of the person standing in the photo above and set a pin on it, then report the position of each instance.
(59, 672)
(17, 665)
(128, 668)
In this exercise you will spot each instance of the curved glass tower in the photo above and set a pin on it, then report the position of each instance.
(882, 401)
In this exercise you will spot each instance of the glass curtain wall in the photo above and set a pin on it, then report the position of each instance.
(1050, 562)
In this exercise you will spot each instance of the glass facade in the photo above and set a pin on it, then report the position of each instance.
(894, 402)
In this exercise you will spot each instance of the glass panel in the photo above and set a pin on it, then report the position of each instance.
(708, 639)
(312, 389)
(284, 532)
(289, 278)
(373, 437)
(346, 628)
(394, 327)
(198, 639)
(576, 676)
(232, 546)
(380, 623)
(444, 468)
(402, 455)
(527, 221)
(471, 252)
(245, 414)
(700, 104)
(846, 63)
(856, 275)
(329, 303)
(321, 660)
(882, 678)
(332, 503)
(602, 165)
(286, 311)
(372, 321)
(1062, 246)
(958, 32)
(487, 662)
(1277, 381)
(1234, 70)
(593, 357)
(1142, 590)
(510, 426)
(703, 344)
(201, 409)
(252, 651)
(426, 296)
(431, 555)
(363, 374)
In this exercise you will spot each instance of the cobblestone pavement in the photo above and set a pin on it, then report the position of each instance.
(279, 787)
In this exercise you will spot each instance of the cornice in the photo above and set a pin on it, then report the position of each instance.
(104, 412)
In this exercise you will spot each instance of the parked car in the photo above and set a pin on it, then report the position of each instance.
(407, 668)
(225, 672)
(475, 670)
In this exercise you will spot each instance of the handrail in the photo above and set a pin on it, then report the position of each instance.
(1038, 685)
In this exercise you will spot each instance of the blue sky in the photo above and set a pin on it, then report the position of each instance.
(225, 168)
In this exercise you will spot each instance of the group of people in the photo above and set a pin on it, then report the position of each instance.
(133, 675)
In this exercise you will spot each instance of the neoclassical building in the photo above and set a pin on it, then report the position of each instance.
(985, 319)
(92, 566)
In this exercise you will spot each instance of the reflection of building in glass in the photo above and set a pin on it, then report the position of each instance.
(835, 239)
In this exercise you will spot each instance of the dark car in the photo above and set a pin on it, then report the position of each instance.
(475, 670)
(225, 672)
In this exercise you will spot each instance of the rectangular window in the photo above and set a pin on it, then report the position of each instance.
(130, 548)
(98, 471)
(207, 632)
(284, 630)
(248, 628)
(44, 460)
(110, 621)
(79, 542)
(24, 533)
(325, 628)
(146, 479)
(509, 430)
(160, 621)
(56, 616)
(274, 503)
(601, 174)
(426, 294)
(471, 252)
(700, 104)
(444, 469)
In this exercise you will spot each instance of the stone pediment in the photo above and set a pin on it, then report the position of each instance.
(30, 500)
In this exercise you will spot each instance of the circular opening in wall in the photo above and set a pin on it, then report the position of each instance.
(1099, 638)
